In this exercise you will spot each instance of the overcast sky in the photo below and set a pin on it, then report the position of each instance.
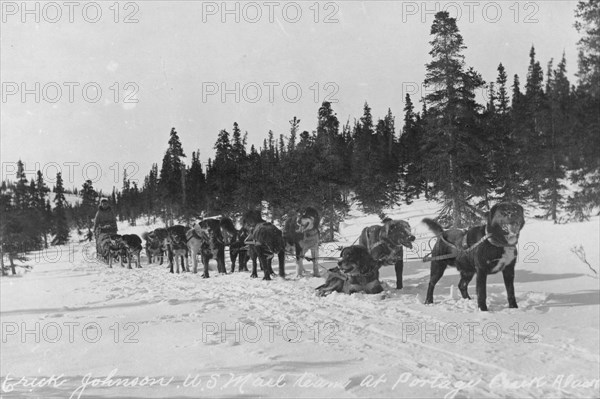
(174, 59)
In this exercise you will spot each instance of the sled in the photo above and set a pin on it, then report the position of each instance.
(103, 234)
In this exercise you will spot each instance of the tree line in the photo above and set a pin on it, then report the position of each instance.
(523, 144)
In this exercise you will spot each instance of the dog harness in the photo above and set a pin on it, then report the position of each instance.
(392, 246)
(465, 249)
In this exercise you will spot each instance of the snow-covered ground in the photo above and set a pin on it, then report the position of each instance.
(98, 332)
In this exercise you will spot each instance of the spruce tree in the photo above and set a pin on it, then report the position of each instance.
(150, 196)
(455, 163)
(410, 154)
(583, 154)
(506, 154)
(89, 203)
(532, 124)
(557, 129)
(196, 186)
(328, 171)
(41, 201)
(61, 227)
(171, 177)
(221, 176)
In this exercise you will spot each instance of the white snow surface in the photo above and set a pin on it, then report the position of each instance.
(146, 333)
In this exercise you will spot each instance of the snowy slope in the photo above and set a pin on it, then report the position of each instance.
(232, 336)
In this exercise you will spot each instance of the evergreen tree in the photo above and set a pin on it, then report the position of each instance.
(238, 147)
(583, 155)
(171, 178)
(506, 151)
(328, 171)
(557, 128)
(364, 183)
(410, 153)
(453, 141)
(535, 112)
(587, 23)
(249, 194)
(150, 195)
(11, 230)
(222, 176)
(294, 127)
(89, 203)
(41, 192)
(22, 194)
(61, 227)
(196, 186)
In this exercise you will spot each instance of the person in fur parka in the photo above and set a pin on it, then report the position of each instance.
(105, 219)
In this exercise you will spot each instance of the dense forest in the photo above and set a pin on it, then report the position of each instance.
(533, 136)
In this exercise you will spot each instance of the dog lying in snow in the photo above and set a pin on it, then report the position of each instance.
(481, 250)
(357, 271)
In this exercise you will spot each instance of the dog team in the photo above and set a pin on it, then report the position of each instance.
(480, 250)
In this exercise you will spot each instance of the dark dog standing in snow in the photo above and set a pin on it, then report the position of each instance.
(240, 251)
(266, 241)
(171, 240)
(155, 246)
(385, 243)
(302, 232)
(481, 250)
(235, 239)
(132, 247)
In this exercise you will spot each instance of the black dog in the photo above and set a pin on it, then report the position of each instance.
(240, 251)
(265, 241)
(357, 271)
(484, 250)
(155, 244)
(235, 239)
(132, 246)
(302, 232)
(385, 244)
